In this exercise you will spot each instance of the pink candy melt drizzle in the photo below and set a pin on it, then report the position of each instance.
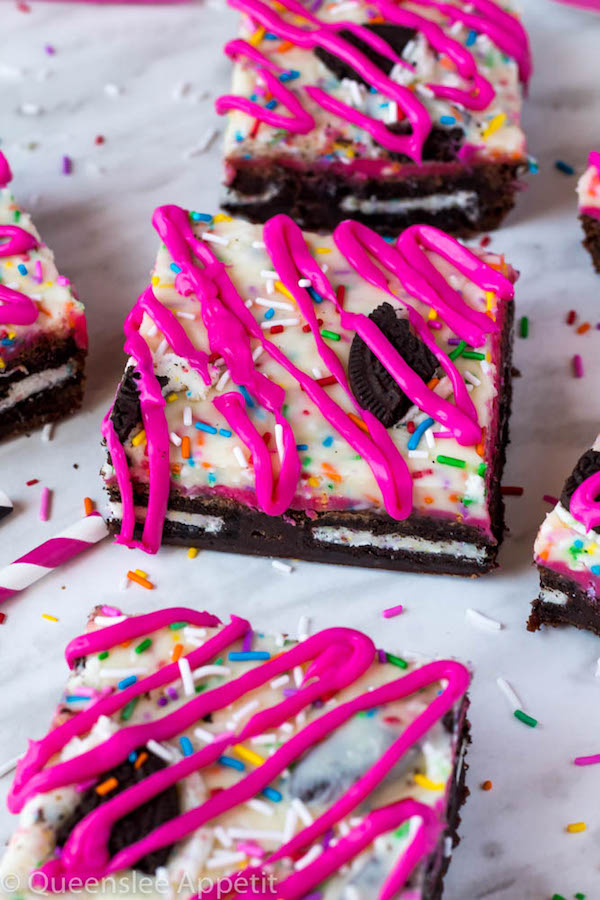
(503, 29)
(584, 504)
(15, 307)
(337, 657)
(230, 327)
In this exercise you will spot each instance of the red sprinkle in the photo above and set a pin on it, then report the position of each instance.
(410, 427)
(571, 316)
(548, 498)
(577, 366)
(32, 481)
(341, 294)
(2, 618)
(485, 240)
(276, 329)
(99, 139)
(421, 473)
(511, 491)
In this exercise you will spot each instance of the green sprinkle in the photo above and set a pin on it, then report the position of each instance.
(176, 626)
(307, 461)
(128, 709)
(103, 655)
(473, 354)
(17, 215)
(579, 896)
(219, 661)
(403, 830)
(558, 897)
(524, 327)
(144, 645)
(466, 501)
(523, 717)
(457, 350)
(481, 469)
(396, 661)
(200, 688)
(332, 335)
(451, 461)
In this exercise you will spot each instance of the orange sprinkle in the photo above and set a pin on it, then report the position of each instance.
(428, 499)
(487, 785)
(479, 448)
(453, 498)
(107, 786)
(88, 506)
(285, 46)
(207, 465)
(140, 761)
(544, 554)
(133, 576)
(199, 439)
(374, 500)
(585, 326)
(331, 472)
(358, 421)
(433, 383)
(177, 651)
(185, 447)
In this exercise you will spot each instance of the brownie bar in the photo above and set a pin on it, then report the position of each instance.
(365, 119)
(563, 602)
(591, 242)
(280, 770)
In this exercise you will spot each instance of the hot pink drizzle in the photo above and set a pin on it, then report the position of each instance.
(339, 656)
(584, 505)
(230, 327)
(5, 172)
(594, 159)
(504, 30)
(16, 308)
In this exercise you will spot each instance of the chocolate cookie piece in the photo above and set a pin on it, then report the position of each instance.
(395, 35)
(370, 381)
(126, 413)
(6, 505)
(136, 824)
(587, 465)
(441, 144)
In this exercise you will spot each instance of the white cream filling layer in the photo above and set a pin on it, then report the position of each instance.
(328, 534)
(466, 200)
(208, 524)
(34, 384)
(551, 595)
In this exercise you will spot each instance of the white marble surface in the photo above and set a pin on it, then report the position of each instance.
(98, 221)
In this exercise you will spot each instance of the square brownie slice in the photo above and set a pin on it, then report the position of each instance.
(334, 398)
(392, 114)
(588, 193)
(43, 335)
(567, 552)
(191, 757)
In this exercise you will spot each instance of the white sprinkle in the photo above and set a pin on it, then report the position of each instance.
(270, 285)
(9, 766)
(274, 304)
(418, 454)
(214, 238)
(509, 693)
(284, 322)
(597, 673)
(392, 112)
(248, 304)
(303, 628)
(112, 90)
(279, 439)
(162, 347)
(222, 382)
(222, 836)
(485, 366)
(447, 846)
(264, 738)
(119, 674)
(298, 674)
(152, 331)
(280, 682)
(429, 439)
(317, 372)
(175, 439)
(243, 711)
(424, 90)
(241, 459)
(205, 671)
(301, 719)
(194, 634)
(289, 829)
(108, 620)
(31, 109)
(187, 416)
(184, 315)
(472, 379)
(160, 750)
(281, 566)
(304, 282)
(47, 432)
(124, 583)
(354, 90)
(186, 677)
(202, 145)
(224, 859)
(206, 736)
(260, 806)
(478, 619)
(258, 245)
(286, 727)
(302, 811)
(344, 7)
(257, 352)
(269, 274)
(455, 28)
(351, 892)
(308, 858)
(255, 833)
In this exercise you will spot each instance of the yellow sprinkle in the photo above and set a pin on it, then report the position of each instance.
(432, 314)
(257, 36)
(496, 123)
(49, 617)
(489, 300)
(248, 755)
(192, 553)
(221, 217)
(575, 827)
(322, 249)
(155, 280)
(11, 335)
(141, 573)
(8, 263)
(280, 286)
(2, 363)
(172, 397)
(140, 438)
(314, 482)
(425, 782)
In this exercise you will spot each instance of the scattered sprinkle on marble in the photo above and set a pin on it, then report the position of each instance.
(481, 621)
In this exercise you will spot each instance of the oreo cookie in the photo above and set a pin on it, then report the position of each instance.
(127, 413)
(136, 824)
(395, 35)
(587, 465)
(441, 144)
(370, 381)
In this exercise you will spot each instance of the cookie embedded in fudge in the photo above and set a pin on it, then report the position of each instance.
(393, 115)
(43, 336)
(567, 552)
(195, 758)
(588, 193)
(333, 398)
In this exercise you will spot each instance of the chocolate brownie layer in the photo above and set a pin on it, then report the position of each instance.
(45, 406)
(579, 610)
(591, 242)
(319, 200)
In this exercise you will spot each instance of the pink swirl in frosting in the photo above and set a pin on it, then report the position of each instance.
(231, 326)
(337, 657)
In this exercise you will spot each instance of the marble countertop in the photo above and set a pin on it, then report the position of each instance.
(145, 79)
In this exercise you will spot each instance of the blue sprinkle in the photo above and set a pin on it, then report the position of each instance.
(564, 167)
(316, 297)
(22, 269)
(272, 794)
(239, 136)
(389, 240)
(269, 313)
(413, 441)
(212, 478)
(447, 120)
(533, 165)
(224, 432)
(578, 544)
(232, 763)
(595, 570)
(246, 395)
(75, 698)
(471, 38)
(132, 757)
(289, 76)
(186, 745)
(269, 36)
(271, 104)
(201, 217)
(254, 97)
(175, 268)
(301, 446)
(246, 655)
(127, 682)
(328, 441)
(202, 426)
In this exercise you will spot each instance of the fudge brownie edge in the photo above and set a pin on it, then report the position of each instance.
(580, 610)
(591, 241)
(45, 406)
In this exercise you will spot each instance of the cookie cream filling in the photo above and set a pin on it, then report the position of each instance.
(465, 200)
(35, 384)
(551, 595)
(208, 524)
(348, 537)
